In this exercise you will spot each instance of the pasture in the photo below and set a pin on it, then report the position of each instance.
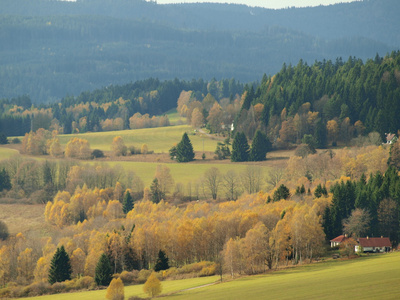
(374, 277)
(159, 139)
(370, 277)
(182, 172)
(7, 152)
(168, 287)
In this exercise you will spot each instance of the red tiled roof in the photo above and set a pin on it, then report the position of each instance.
(375, 242)
(339, 239)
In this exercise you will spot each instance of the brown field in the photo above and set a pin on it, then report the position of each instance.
(23, 217)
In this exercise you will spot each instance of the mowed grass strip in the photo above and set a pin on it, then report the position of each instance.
(159, 139)
(375, 277)
(168, 286)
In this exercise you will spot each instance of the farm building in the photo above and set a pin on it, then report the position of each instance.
(338, 240)
(370, 244)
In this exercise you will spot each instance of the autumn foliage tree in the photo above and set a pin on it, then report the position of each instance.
(152, 286)
(115, 290)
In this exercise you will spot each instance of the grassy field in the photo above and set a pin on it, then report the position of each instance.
(7, 153)
(134, 290)
(159, 140)
(371, 277)
(22, 217)
(182, 173)
(374, 277)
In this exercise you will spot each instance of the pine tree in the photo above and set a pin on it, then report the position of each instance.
(240, 148)
(184, 150)
(260, 146)
(162, 262)
(127, 203)
(60, 266)
(103, 272)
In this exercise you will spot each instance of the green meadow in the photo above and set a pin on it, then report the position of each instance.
(181, 172)
(373, 277)
(159, 139)
(168, 287)
(7, 153)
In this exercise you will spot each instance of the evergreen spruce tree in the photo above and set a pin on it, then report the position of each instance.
(184, 150)
(103, 272)
(162, 262)
(127, 203)
(156, 193)
(240, 148)
(60, 266)
(260, 146)
(5, 181)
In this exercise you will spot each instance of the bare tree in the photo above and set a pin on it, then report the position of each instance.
(231, 184)
(358, 223)
(252, 179)
(212, 181)
(274, 176)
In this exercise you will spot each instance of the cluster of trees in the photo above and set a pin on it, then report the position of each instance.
(258, 151)
(131, 106)
(206, 111)
(366, 207)
(197, 232)
(331, 101)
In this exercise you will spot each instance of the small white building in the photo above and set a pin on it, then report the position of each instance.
(338, 240)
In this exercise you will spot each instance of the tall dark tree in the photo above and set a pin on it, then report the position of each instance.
(260, 146)
(3, 139)
(240, 148)
(3, 231)
(281, 193)
(156, 193)
(60, 266)
(162, 262)
(127, 203)
(103, 272)
(184, 150)
(5, 181)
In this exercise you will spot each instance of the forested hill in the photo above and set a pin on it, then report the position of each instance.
(333, 101)
(49, 49)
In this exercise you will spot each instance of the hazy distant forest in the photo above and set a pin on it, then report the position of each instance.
(51, 49)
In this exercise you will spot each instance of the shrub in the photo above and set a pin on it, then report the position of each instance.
(86, 282)
(37, 288)
(58, 287)
(129, 277)
(15, 141)
(208, 271)
(143, 276)
(96, 153)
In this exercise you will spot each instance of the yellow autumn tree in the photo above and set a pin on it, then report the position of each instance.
(115, 290)
(152, 286)
(118, 146)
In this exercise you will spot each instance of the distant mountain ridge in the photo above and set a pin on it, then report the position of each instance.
(52, 48)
